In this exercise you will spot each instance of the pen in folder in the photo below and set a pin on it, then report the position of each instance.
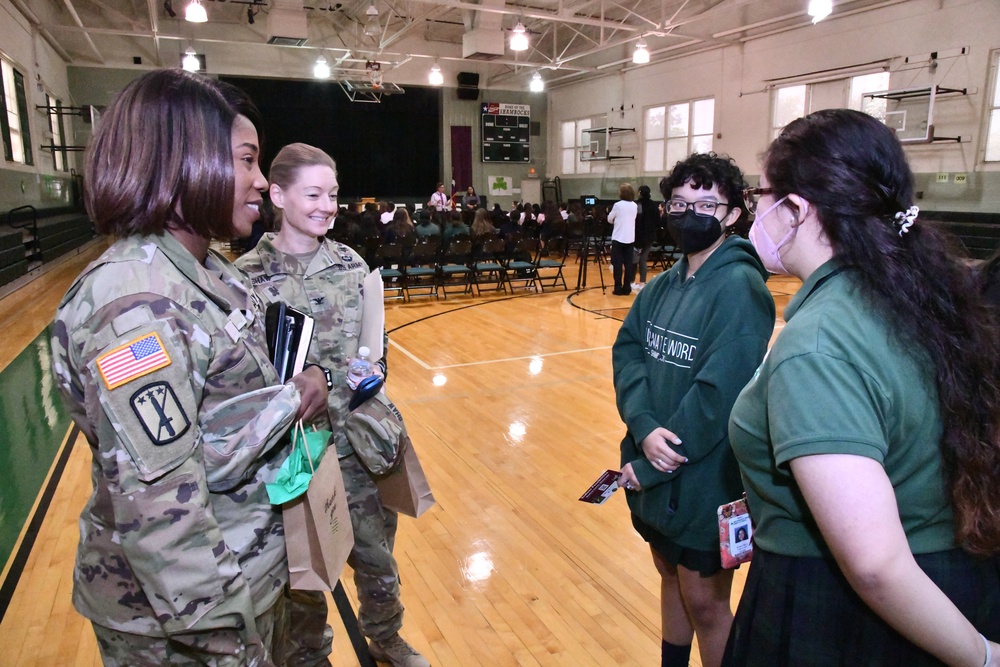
(287, 351)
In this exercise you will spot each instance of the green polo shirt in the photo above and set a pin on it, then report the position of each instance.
(838, 380)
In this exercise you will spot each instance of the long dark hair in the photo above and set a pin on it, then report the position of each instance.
(853, 170)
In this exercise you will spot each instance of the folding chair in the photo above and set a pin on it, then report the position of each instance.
(663, 253)
(520, 264)
(487, 266)
(421, 269)
(369, 249)
(390, 266)
(453, 267)
(550, 262)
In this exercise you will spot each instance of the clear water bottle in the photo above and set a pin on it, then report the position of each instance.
(359, 368)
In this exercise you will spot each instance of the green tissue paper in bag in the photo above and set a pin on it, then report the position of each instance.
(297, 470)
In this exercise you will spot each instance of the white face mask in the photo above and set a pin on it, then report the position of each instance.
(768, 250)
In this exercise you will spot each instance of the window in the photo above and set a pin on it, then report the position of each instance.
(572, 143)
(671, 133)
(992, 152)
(869, 83)
(14, 115)
(790, 103)
(59, 161)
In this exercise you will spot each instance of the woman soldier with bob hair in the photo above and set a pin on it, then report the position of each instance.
(159, 351)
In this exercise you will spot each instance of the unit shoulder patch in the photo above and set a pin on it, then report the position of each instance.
(160, 413)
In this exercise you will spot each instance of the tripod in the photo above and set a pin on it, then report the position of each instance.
(593, 247)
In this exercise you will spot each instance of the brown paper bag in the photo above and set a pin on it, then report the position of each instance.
(406, 489)
(318, 534)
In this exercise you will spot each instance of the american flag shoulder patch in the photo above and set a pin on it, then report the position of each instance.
(132, 360)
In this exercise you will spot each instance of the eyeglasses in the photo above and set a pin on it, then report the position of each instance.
(701, 207)
(751, 197)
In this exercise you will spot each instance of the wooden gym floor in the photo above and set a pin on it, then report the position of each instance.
(509, 402)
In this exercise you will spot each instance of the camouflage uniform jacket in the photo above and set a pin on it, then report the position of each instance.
(163, 364)
(330, 289)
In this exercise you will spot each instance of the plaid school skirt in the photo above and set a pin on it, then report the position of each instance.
(801, 612)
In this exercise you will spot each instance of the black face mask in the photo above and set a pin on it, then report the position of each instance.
(693, 232)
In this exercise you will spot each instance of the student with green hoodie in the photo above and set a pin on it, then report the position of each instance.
(690, 342)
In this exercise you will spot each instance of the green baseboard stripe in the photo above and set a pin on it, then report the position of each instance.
(17, 561)
(33, 446)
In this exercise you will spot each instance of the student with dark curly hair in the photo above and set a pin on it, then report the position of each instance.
(689, 344)
(868, 440)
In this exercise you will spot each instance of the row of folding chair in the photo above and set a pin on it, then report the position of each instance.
(489, 264)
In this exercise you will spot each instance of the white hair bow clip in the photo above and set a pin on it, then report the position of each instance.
(905, 219)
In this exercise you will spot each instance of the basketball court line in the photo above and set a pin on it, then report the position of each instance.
(427, 367)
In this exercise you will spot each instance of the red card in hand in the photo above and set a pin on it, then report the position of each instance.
(602, 489)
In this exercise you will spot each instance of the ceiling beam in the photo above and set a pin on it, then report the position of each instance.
(555, 17)
(42, 30)
(76, 19)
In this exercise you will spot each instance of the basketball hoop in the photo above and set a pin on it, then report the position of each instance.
(374, 73)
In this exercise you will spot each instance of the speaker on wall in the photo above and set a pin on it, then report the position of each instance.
(468, 86)
(468, 79)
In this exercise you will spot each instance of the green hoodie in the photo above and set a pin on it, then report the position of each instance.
(684, 352)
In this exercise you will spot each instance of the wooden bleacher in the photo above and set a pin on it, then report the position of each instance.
(30, 236)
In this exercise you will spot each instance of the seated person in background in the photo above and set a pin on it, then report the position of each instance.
(552, 223)
(400, 227)
(575, 213)
(529, 221)
(481, 225)
(497, 216)
(370, 224)
(387, 209)
(347, 230)
(455, 227)
(426, 227)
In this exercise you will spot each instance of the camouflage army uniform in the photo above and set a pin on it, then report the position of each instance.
(329, 289)
(163, 364)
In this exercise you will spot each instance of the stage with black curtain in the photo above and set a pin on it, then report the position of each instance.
(387, 149)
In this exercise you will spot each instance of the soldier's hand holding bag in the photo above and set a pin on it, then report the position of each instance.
(318, 534)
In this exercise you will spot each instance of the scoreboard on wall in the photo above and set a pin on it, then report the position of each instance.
(506, 132)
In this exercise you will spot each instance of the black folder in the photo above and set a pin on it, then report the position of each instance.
(289, 332)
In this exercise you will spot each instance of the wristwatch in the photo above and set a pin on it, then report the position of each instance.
(326, 373)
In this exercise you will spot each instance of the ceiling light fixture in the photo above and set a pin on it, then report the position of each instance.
(195, 13)
(190, 61)
(371, 21)
(641, 54)
(820, 9)
(321, 70)
(435, 78)
(537, 84)
(519, 38)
